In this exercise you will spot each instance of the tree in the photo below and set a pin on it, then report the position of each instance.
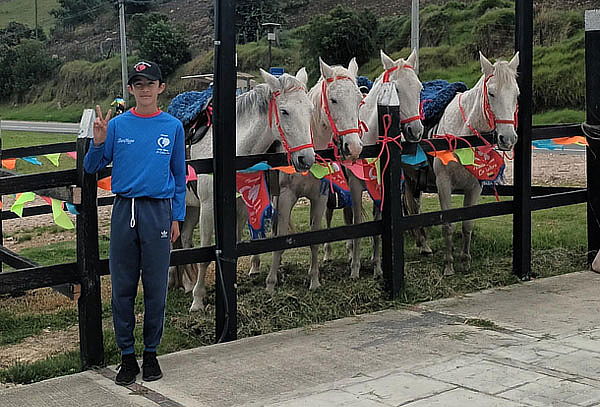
(158, 41)
(340, 35)
(15, 32)
(74, 12)
(23, 66)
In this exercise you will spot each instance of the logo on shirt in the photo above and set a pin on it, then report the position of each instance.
(121, 140)
(164, 234)
(163, 142)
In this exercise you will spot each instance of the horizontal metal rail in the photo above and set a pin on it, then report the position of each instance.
(21, 152)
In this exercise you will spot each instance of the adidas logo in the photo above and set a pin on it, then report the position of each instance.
(164, 234)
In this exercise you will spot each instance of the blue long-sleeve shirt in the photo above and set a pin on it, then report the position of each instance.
(148, 156)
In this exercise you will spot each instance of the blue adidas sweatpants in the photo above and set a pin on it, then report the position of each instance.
(139, 242)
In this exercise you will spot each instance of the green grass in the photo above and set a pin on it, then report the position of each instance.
(559, 246)
(23, 11)
(559, 116)
(14, 139)
(15, 328)
(47, 111)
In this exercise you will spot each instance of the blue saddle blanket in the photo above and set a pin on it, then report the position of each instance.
(188, 105)
(435, 96)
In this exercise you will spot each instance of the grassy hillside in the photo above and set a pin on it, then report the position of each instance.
(23, 11)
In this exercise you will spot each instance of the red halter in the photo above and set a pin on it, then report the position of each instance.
(325, 105)
(490, 117)
(488, 112)
(386, 78)
(274, 113)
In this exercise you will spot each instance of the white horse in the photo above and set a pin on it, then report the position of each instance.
(491, 105)
(408, 87)
(278, 110)
(336, 99)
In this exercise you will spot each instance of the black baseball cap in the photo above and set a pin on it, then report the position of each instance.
(147, 69)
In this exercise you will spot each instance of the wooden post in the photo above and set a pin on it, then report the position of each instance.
(90, 305)
(224, 148)
(592, 85)
(522, 197)
(1, 206)
(392, 239)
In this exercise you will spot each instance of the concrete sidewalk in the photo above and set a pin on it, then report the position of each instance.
(534, 344)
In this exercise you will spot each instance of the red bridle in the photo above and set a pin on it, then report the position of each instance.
(386, 78)
(274, 113)
(490, 117)
(336, 133)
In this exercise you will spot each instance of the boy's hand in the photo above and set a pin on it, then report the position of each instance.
(100, 126)
(174, 231)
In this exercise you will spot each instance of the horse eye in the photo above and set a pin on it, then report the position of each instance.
(334, 101)
(491, 94)
(284, 112)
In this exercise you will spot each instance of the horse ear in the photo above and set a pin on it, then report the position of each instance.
(486, 66)
(270, 80)
(326, 70)
(302, 76)
(386, 61)
(353, 67)
(413, 58)
(514, 62)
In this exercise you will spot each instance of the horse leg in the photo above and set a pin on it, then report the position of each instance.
(412, 200)
(444, 188)
(356, 188)
(471, 198)
(317, 208)
(242, 219)
(189, 276)
(285, 203)
(348, 220)
(328, 253)
(376, 258)
(206, 233)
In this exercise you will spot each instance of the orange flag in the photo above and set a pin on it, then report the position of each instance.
(9, 163)
(104, 183)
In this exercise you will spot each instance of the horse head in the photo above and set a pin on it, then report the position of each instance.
(500, 97)
(340, 98)
(401, 72)
(290, 111)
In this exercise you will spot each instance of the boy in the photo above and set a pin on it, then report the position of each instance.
(146, 147)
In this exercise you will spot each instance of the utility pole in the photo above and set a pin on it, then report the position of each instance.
(36, 19)
(123, 49)
(414, 31)
(271, 36)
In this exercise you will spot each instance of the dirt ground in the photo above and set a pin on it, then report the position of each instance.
(548, 168)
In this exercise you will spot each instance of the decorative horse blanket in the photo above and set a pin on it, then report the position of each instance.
(194, 110)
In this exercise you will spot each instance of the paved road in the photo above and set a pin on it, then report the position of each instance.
(45, 127)
(531, 344)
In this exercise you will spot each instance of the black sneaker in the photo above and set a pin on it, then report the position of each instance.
(150, 368)
(128, 370)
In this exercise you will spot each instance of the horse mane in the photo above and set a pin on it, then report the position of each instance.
(259, 97)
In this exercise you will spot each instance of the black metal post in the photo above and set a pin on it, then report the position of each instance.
(224, 149)
(522, 173)
(90, 304)
(392, 238)
(1, 206)
(592, 86)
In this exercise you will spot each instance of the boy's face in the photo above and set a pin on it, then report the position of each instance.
(145, 90)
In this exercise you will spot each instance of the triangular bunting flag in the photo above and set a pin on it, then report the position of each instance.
(53, 158)
(59, 215)
(17, 206)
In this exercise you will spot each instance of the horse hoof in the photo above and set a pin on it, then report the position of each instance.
(377, 271)
(426, 251)
(253, 271)
(448, 271)
(270, 288)
(197, 306)
(314, 286)
(354, 275)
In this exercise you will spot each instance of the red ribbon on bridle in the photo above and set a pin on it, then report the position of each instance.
(337, 134)
(386, 78)
(274, 114)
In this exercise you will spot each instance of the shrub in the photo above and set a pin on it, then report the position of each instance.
(393, 33)
(159, 41)
(75, 12)
(493, 33)
(552, 26)
(340, 35)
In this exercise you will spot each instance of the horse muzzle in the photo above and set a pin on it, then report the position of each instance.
(413, 131)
